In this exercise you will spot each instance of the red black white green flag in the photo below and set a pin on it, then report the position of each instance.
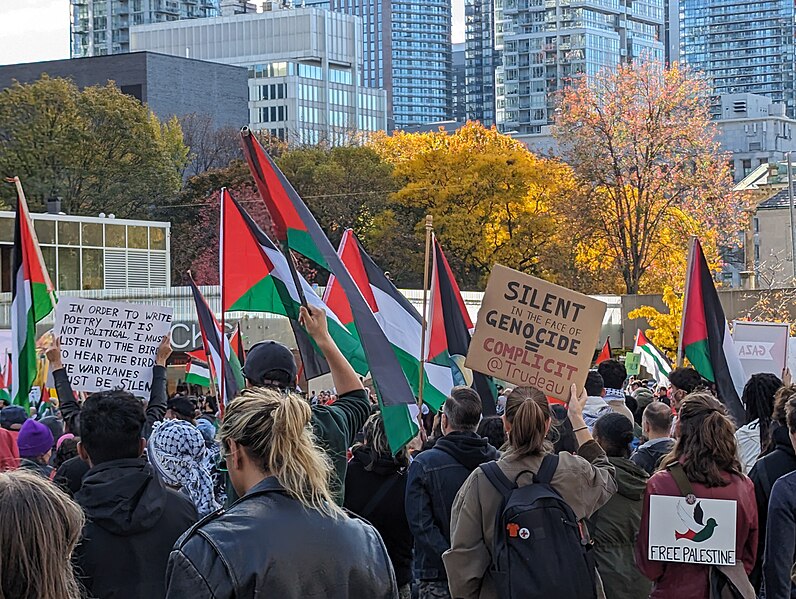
(605, 352)
(449, 332)
(32, 299)
(705, 335)
(215, 342)
(257, 277)
(297, 228)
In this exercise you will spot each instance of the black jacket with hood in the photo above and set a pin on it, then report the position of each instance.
(765, 472)
(384, 479)
(435, 476)
(614, 528)
(132, 523)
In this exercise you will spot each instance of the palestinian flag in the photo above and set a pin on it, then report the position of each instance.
(705, 336)
(397, 317)
(297, 228)
(257, 277)
(215, 342)
(449, 332)
(32, 300)
(197, 373)
(652, 359)
(605, 352)
(236, 342)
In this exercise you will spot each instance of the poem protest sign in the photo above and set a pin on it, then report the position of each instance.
(109, 345)
(533, 333)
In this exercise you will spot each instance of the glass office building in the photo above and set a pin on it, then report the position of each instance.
(305, 69)
(408, 52)
(84, 252)
(547, 42)
(483, 29)
(741, 46)
(103, 26)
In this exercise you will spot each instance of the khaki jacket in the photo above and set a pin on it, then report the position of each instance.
(585, 481)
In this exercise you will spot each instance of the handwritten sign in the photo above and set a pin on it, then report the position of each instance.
(761, 346)
(533, 333)
(109, 345)
(702, 532)
(632, 363)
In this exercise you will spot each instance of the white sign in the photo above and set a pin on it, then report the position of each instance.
(761, 346)
(698, 533)
(110, 345)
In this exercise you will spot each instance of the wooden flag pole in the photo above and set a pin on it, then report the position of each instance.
(424, 323)
(688, 266)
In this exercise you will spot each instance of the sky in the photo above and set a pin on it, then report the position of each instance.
(33, 30)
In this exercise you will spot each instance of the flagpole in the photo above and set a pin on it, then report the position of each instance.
(424, 324)
(24, 202)
(221, 283)
(688, 267)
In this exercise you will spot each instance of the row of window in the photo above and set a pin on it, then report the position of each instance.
(273, 114)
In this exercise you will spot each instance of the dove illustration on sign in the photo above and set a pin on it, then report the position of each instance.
(697, 530)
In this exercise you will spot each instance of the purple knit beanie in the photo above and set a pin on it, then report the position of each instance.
(34, 439)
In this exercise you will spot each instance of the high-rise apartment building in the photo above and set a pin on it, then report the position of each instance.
(741, 46)
(547, 42)
(305, 69)
(103, 26)
(408, 53)
(459, 110)
(483, 30)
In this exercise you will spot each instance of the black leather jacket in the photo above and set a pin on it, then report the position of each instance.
(268, 545)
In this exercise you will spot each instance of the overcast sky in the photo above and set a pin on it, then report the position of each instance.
(33, 30)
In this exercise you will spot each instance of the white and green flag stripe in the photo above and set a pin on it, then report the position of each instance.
(652, 359)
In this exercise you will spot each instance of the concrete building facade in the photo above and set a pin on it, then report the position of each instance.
(304, 69)
(168, 85)
(755, 130)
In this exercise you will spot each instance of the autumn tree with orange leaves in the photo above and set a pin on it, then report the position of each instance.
(644, 151)
(492, 201)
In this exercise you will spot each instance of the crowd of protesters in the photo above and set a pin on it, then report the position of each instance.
(294, 495)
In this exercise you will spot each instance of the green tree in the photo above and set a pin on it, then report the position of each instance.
(97, 148)
(345, 187)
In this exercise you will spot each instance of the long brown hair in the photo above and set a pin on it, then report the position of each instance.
(39, 529)
(706, 445)
(528, 413)
(274, 430)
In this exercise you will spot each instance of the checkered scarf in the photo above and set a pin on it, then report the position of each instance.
(177, 451)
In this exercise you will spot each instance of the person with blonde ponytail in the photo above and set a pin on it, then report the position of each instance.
(285, 537)
(585, 482)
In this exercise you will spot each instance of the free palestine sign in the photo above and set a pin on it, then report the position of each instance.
(533, 333)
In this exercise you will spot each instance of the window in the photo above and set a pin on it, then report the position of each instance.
(115, 236)
(93, 272)
(68, 268)
(157, 238)
(68, 234)
(137, 237)
(92, 234)
(45, 230)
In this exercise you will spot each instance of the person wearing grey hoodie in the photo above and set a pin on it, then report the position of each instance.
(614, 526)
(595, 406)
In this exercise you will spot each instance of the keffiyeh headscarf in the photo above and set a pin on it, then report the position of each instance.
(177, 452)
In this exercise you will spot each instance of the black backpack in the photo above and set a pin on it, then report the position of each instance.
(538, 551)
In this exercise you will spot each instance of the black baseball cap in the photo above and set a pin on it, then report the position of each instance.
(266, 357)
(183, 405)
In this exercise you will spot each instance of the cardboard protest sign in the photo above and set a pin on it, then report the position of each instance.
(698, 533)
(761, 346)
(632, 363)
(533, 333)
(108, 345)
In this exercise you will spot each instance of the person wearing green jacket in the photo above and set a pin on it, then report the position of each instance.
(272, 365)
(614, 526)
